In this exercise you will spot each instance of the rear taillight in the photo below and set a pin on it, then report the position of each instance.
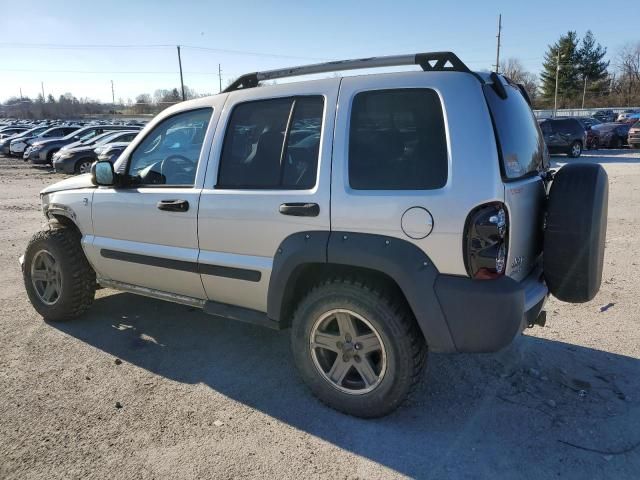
(485, 241)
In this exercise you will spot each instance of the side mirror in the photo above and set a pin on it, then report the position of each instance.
(102, 174)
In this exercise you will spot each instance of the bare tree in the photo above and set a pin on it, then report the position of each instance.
(514, 70)
(627, 64)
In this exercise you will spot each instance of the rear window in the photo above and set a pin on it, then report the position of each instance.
(397, 141)
(520, 142)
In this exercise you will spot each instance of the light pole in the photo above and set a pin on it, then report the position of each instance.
(555, 97)
(584, 91)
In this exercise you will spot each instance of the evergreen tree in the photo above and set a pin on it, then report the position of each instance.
(591, 63)
(569, 78)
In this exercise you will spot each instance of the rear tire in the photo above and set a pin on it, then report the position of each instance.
(575, 150)
(393, 369)
(57, 276)
(575, 232)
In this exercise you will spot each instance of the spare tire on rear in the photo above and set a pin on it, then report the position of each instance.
(575, 232)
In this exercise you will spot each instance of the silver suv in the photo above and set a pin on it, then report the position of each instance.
(378, 216)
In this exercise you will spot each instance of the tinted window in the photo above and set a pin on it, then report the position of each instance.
(272, 144)
(169, 153)
(546, 127)
(397, 141)
(522, 149)
(569, 126)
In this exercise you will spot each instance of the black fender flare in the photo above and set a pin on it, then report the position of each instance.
(405, 263)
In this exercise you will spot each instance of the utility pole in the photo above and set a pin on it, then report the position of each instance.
(584, 91)
(555, 97)
(181, 80)
(42, 85)
(498, 49)
(20, 93)
(220, 77)
(113, 94)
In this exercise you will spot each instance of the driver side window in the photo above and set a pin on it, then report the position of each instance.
(169, 153)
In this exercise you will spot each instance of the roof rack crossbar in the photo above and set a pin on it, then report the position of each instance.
(433, 62)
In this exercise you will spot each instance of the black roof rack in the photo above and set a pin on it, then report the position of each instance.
(429, 62)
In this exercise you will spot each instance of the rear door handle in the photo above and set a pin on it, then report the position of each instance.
(300, 209)
(173, 205)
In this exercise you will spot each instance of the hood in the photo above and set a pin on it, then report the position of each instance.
(73, 183)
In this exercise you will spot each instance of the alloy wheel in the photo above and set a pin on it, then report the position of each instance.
(348, 351)
(84, 167)
(46, 277)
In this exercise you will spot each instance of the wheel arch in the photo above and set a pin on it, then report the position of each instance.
(305, 258)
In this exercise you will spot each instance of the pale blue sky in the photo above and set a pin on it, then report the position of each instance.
(294, 32)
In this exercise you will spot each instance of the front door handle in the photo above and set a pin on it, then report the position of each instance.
(173, 205)
(300, 209)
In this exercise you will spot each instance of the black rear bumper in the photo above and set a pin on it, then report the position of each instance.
(485, 315)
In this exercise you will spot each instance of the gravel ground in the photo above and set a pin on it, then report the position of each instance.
(139, 388)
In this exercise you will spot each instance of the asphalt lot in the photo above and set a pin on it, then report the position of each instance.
(203, 397)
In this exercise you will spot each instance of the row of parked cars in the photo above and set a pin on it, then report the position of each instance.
(572, 135)
(69, 148)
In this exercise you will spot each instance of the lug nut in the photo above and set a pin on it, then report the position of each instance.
(339, 344)
(347, 337)
(357, 358)
(357, 346)
(345, 358)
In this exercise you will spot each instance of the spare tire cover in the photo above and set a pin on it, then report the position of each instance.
(575, 232)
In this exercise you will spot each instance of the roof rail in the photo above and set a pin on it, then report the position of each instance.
(431, 61)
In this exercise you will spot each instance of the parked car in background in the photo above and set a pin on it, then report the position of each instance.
(622, 117)
(80, 158)
(605, 116)
(41, 153)
(10, 131)
(632, 118)
(634, 135)
(112, 151)
(587, 123)
(564, 135)
(6, 142)
(19, 145)
(611, 135)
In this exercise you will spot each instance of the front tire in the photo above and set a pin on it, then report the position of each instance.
(83, 166)
(359, 350)
(59, 281)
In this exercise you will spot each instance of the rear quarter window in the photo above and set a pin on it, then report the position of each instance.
(397, 141)
(521, 146)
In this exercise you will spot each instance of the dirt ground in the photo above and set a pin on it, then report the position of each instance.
(202, 397)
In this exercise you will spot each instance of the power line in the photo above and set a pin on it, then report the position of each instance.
(69, 46)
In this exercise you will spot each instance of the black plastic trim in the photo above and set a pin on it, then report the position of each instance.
(295, 251)
(241, 314)
(411, 269)
(483, 315)
(455, 313)
(248, 80)
(184, 266)
(229, 272)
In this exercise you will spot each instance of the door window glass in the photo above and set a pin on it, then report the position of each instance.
(272, 144)
(169, 153)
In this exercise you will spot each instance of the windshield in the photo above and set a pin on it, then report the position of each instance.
(521, 145)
